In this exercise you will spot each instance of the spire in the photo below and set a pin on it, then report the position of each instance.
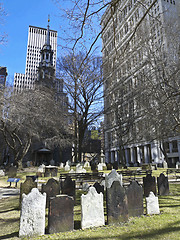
(48, 34)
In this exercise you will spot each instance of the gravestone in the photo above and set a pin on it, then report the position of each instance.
(115, 165)
(152, 204)
(116, 203)
(165, 165)
(11, 172)
(52, 162)
(109, 166)
(68, 187)
(51, 171)
(177, 165)
(2, 173)
(61, 214)
(51, 188)
(61, 165)
(85, 187)
(67, 167)
(134, 194)
(26, 187)
(92, 209)
(94, 166)
(149, 185)
(86, 165)
(80, 169)
(99, 188)
(111, 177)
(163, 185)
(32, 218)
(100, 167)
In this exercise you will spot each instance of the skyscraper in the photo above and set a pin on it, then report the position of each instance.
(136, 36)
(36, 41)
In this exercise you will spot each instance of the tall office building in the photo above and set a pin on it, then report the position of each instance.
(134, 34)
(36, 41)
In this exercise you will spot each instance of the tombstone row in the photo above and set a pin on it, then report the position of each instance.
(121, 204)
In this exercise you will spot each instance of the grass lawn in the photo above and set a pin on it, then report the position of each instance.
(164, 226)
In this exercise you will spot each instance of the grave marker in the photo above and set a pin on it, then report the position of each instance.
(134, 194)
(163, 185)
(152, 205)
(149, 184)
(61, 214)
(51, 188)
(92, 209)
(116, 201)
(32, 219)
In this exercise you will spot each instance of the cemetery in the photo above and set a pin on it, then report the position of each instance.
(53, 203)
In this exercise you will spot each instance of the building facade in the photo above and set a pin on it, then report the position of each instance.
(3, 75)
(134, 33)
(36, 41)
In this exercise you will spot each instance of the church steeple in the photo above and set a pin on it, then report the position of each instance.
(46, 70)
(48, 33)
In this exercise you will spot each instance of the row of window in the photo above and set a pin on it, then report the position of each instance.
(171, 1)
(42, 32)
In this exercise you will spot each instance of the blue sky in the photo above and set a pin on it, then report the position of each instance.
(21, 14)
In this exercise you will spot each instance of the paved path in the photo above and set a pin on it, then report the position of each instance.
(8, 192)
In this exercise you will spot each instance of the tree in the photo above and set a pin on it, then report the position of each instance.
(83, 84)
(84, 20)
(32, 115)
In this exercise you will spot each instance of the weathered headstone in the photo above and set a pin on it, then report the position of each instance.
(51, 171)
(67, 167)
(61, 165)
(26, 187)
(86, 164)
(52, 162)
(116, 201)
(61, 214)
(68, 187)
(165, 165)
(85, 187)
(11, 172)
(152, 204)
(177, 165)
(111, 177)
(99, 188)
(134, 194)
(92, 209)
(80, 169)
(32, 219)
(149, 184)
(100, 167)
(163, 185)
(2, 173)
(115, 165)
(109, 166)
(51, 188)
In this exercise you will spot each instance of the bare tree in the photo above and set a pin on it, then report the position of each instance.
(84, 20)
(83, 84)
(32, 115)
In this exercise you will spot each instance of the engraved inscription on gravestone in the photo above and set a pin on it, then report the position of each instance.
(61, 214)
(116, 201)
(32, 219)
(134, 194)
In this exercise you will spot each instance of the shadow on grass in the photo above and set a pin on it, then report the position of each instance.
(151, 234)
(10, 235)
